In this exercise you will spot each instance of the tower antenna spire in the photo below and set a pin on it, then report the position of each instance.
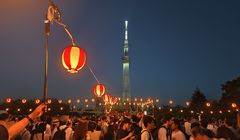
(126, 30)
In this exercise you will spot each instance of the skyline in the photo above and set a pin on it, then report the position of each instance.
(174, 47)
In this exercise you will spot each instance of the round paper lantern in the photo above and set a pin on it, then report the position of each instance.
(59, 101)
(73, 58)
(24, 101)
(37, 101)
(49, 101)
(9, 100)
(110, 101)
(99, 90)
(114, 100)
(106, 98)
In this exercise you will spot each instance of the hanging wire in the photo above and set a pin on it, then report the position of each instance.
(93, 74)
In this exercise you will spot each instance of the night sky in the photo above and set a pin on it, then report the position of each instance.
(175, 46)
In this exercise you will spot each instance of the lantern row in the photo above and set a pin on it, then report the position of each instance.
(110, 100)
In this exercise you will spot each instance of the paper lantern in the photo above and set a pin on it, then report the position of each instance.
(9, 100)
(106, 98)
(73, 58)
(114, 100)
(99, 90)
(37, 101)
(24, 101)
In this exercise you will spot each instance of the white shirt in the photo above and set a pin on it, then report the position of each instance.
(187, 126)
(178, 135)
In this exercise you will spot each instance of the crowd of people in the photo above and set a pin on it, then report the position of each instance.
(114, 126)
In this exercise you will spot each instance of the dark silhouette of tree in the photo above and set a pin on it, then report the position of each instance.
(198, 100)
(230, 93)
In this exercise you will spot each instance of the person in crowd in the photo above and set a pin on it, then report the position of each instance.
(194, 125)
(104, 125)
(92, 133)
(187, 126)
(55, 126)
(229, 124)
(15, 129)
(177, 133)
(135, 127)
(81, 127)
(111, 134)
(149, 125)
(123, 131)
(164, 132)
(41, 128)
(25, 133)
(224, 132)
(199, 133)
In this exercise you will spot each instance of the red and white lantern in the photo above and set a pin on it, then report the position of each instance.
(99, 90)
(106, 98)
(114, 100)
(73, 58)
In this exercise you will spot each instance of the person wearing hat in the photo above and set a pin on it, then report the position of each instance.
(15, 129)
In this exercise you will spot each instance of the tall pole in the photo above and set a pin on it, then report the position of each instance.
(47, 33)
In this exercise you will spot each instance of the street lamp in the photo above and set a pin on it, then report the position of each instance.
(73, 57)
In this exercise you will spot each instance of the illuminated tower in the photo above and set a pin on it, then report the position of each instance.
(125, 61)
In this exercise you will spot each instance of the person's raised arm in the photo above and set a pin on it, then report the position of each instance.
(19, 126)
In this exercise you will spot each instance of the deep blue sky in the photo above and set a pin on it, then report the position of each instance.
(175, 46)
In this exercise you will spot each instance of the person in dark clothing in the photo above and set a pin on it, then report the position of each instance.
(123, 133)
(110, 135)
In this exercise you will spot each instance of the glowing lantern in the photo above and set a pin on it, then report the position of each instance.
(9, 100)
(234, 105)
(99, 90)
(114, 100)
(37, 101)
(106, 98)
(73, 58)
(69, 101)
(49, 101)
(59, 101)
(78, 100)
(24, 101)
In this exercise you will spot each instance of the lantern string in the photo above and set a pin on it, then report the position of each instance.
(93, 74)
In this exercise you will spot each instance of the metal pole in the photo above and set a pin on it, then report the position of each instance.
(47, 33)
